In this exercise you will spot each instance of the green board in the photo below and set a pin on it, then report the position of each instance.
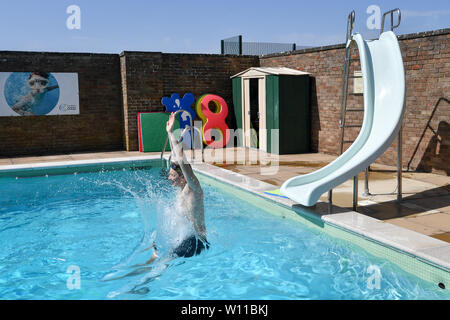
(152, 131)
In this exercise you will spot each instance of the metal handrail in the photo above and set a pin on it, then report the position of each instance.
(181, 138)
(350, 25)
(192, 137)
(200, 135)
(162, 152)
(391, 12)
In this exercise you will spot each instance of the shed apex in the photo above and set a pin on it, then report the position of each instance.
(262, 71)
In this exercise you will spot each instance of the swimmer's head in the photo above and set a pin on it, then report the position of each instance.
(176, 175)
(38, 81)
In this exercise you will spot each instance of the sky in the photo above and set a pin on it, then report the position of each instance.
(197, 26)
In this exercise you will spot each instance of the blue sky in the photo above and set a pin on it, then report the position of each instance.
(197, 26)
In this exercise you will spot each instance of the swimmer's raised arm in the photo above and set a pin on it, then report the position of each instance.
(179, 156)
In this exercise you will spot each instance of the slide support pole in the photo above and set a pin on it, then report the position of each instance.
(399, 166)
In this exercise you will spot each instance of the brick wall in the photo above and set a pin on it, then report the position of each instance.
(142, 89)
(98, 127)
(426, 132)
(149, 76)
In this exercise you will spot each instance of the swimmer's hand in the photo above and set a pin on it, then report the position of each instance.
(170, 123)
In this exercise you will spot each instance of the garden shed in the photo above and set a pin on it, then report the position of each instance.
(273, 98)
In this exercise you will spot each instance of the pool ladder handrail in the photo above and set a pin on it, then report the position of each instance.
(391, 12)
(179, 140)
(192, 140)
(189, 127)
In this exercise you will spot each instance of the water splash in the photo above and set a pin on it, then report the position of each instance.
(156, 200)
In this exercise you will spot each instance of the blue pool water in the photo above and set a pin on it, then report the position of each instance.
(99, 223)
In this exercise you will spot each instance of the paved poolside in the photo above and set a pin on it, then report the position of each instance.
(426, 197)
(425, 207)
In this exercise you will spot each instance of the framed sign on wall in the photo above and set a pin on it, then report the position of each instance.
(38, 94)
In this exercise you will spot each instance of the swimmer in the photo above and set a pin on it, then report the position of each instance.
(38, 83)
(190, 201)
(189, 198)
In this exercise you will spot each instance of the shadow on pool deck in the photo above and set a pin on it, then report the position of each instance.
(426, 197)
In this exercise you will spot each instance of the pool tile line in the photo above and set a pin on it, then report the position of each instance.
(431, 255)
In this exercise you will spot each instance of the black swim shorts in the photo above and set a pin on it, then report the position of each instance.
(190, 246)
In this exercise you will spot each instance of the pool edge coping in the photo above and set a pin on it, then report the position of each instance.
(73, 163)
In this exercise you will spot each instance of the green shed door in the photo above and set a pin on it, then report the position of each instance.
(272, 113)
(294, 115)
(237, 101)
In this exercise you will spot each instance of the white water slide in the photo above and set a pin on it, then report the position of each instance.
(384, 95)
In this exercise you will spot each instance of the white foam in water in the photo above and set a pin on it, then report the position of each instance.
(172, 227)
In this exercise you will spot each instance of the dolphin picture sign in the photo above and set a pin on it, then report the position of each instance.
(38, 94)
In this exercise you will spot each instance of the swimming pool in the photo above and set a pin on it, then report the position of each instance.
(96, 223)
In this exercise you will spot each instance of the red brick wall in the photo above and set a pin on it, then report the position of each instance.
(98, 127)
(426, 132)
(142, 89)
(150, 76)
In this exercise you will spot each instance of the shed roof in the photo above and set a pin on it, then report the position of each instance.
(260, 71)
